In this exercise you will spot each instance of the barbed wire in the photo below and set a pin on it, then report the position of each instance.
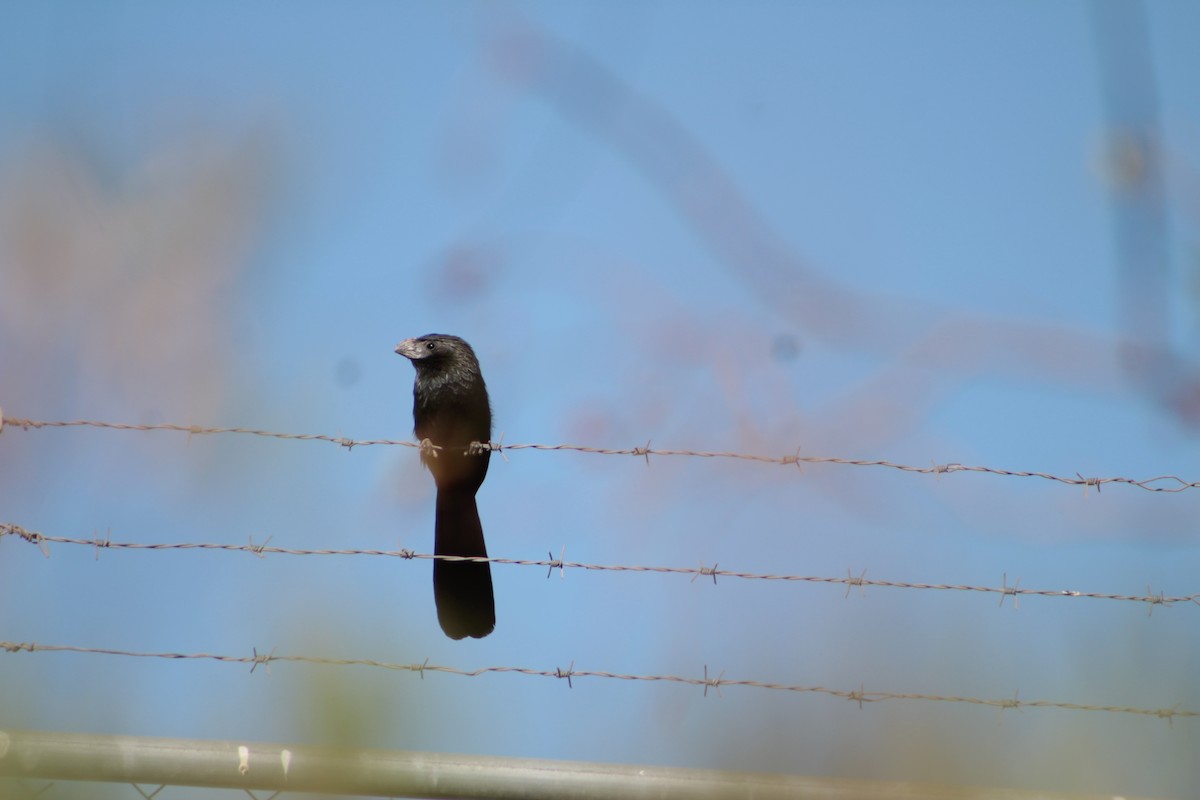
(1173, 482)
(850, 580)
(707, 681)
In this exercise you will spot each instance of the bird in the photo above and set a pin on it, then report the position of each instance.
(451, 410)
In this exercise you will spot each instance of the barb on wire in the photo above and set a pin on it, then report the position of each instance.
(703, 681)
(551, 563)
(1158, 483)
(202, 430)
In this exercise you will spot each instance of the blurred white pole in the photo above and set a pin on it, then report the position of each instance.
(393, 773)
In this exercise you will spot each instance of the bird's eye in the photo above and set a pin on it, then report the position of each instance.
(430, 345)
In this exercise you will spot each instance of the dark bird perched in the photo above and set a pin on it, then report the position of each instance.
(451, 410)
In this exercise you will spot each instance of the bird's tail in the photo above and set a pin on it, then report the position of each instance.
(461, 589)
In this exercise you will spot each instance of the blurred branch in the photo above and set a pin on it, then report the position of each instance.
(1132, 164)
(914, 333)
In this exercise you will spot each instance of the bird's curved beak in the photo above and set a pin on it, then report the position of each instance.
(407, 348)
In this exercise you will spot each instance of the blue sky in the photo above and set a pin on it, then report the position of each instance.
(864, 230)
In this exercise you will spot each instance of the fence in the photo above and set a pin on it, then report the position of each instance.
(251, 766)
(69, 757)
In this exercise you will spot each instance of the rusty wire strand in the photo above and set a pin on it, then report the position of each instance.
(706, 681)
(849, 580)
(1173, 482)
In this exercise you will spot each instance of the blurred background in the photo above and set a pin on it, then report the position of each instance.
(926, 232)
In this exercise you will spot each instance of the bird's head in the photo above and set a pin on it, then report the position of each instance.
(435, 349)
